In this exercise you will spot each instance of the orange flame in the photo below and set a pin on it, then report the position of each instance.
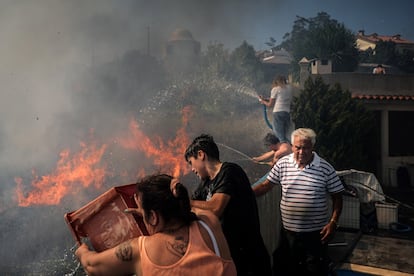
(81, 168)
(168, 156)
(84, 169)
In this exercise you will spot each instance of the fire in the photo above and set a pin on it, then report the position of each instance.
(168, 156)
(86, 168)
(82, 168)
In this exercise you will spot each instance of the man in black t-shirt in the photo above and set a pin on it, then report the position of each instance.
(225, 190)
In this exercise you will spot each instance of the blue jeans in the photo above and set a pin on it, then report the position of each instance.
(281, 123)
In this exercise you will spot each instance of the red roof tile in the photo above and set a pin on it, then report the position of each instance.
(374, 38)
(384, 97)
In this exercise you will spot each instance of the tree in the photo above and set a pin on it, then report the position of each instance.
(406, 61)
(344, 127)
(323, 38)
(222, 77)
(272, 44)
(386, 52)
(241, 66)
(215, 60)
(245, 66)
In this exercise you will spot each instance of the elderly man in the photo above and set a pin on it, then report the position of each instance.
(306, 180)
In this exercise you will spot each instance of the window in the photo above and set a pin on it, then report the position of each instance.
(401, 133)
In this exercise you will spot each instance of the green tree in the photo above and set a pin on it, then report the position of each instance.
(222, 77)
(344, 127)
(215, 60)
(272, 44)
(323, 38)
(406, 61)
(386, 52)
(240, 66)
(245, 66)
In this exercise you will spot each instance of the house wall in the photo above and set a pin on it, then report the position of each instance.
(370, 84)
(363, 42)
(386, 85)
(321, 67)
(390, 164)
(364, 45)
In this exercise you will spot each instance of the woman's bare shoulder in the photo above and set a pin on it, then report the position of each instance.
(207, 216)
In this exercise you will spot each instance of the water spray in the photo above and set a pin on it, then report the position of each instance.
(242, 89)
(247, 90)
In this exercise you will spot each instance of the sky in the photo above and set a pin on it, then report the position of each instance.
(382, 17)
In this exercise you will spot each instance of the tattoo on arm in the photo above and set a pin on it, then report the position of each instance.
(124, 252)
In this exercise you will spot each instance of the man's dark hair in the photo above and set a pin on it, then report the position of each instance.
(205, 143)
(270, 139)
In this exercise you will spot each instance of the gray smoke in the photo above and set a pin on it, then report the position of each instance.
(71, 66)
(54, 55)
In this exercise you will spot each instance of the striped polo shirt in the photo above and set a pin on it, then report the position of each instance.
(304, 203)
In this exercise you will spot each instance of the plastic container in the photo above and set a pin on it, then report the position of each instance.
(387, 213)
(103, 220)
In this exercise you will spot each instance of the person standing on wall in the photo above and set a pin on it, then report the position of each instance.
(306, 181)
(280, 100)
(225, 190)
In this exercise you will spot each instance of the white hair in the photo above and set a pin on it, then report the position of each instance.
(305, 133)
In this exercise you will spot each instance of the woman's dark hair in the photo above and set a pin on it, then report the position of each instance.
(156, 194)
(205, 143)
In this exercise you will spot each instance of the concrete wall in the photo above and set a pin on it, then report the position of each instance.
(361, 83)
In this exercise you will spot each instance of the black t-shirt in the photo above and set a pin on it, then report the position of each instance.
(240, 219)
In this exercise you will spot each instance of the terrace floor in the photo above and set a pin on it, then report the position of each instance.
(381, 251)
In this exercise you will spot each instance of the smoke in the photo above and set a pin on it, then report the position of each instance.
(71, 68)
(47, 44)
(50, 48)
